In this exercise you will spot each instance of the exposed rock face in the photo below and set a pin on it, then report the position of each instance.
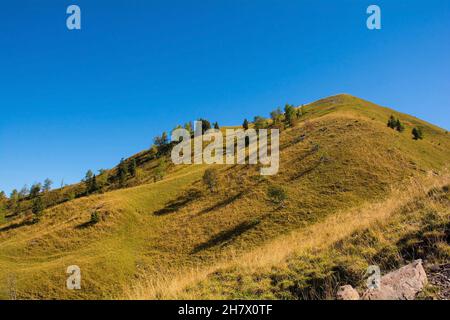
(347, 293)
(402, 284)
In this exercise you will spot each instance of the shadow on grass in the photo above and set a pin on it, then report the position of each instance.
(223, 203)
(305, 172)
(17, 225)
(226, 236)
(85, 225)
(177, 204)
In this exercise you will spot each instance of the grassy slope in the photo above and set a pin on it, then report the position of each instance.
(156, 239)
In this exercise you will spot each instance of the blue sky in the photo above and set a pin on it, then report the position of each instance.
(77, 100)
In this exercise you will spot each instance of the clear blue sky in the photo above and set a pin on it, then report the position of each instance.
(77, 100)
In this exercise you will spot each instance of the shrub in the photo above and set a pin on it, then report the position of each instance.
(95, 217)
(210, 179)
(395, 124)
(392, 122)
(417, 134)
(399, 126)
(277, 194)
(260, 123)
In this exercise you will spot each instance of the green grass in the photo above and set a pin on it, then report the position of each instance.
(156, 239)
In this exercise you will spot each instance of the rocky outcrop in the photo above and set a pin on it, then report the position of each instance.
(402, 284)
(347, 293)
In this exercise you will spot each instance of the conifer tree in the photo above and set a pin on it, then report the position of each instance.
(245, 124)
(132, 168)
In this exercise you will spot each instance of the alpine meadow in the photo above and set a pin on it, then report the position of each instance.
(224, 159)
(351, 191)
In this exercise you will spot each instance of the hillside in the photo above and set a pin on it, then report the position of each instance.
(357, 192)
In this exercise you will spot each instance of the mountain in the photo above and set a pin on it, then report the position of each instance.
(357, 193)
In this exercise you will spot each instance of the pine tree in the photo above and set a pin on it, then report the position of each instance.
(37, 209)
(206, 125)
(93, 186)
(132, 168)
(216, 126)
(245, 124)
(88, 180)
(35, 190)
(122, 172)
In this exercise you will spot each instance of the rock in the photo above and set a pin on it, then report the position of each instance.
(439, 277)
(347, 293)
(402, 284)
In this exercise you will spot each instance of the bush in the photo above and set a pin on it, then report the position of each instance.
(210, 179)
(395, 124)
(399, 126)
(417, 134)
(95, 217)
(392, 122)
(277, 194)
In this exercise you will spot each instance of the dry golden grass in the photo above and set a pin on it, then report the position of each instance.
(314, 238)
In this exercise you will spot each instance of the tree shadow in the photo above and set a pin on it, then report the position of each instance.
(175, 205)
(85, 225)
(305, 172)
(225, 237)
(223, 203)
(17, 225)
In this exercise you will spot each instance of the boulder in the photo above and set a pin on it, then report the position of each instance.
(402, 284)
(347, 293)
